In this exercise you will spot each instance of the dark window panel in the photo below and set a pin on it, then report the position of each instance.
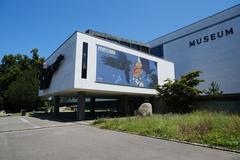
(145, 49)
(158, 51)
(125, 43)
(137, 47)
(101, 37)
(113, 40)
(84, 60)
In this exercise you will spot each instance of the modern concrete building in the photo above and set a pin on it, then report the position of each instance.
(211, 45)
(94, 64)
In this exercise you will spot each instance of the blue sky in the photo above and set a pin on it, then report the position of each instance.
(45, 24)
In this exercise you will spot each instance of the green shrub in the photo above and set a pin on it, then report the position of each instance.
(178, 94)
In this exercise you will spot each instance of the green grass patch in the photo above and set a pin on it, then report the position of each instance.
(214, 129)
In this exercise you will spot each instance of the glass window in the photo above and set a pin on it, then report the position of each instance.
(125, 43)
(135, 46)
(145, 49)
(158, 51)
(84, 60)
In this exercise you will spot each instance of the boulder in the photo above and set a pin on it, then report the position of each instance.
(145, 109)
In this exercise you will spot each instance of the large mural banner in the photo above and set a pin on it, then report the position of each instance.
(120, 68)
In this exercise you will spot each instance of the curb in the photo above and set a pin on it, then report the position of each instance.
(197, 144)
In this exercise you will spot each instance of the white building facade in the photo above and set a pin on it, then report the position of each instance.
(106, 68)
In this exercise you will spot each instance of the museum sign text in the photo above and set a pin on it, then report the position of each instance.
(211, 37)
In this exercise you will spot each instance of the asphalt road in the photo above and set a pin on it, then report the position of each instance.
(27, 138)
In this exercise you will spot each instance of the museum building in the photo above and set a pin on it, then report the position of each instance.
(211, 45)
(98, 65)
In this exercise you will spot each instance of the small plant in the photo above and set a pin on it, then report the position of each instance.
(99, 121)
(213, 90)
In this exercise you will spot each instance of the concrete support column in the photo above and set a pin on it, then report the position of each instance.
(57, 104)
(118, 107)
(124, 106)
(155, 105)
(92, 107)
(81, 106)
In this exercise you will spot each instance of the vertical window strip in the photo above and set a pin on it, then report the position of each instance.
(84, 60)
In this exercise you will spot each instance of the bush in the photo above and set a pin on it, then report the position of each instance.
(178, 94)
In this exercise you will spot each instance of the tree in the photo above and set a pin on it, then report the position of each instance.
(35, 55)
(36, 60)
(213, 90)
(11, 67)
(19, 81)
(178, 94)
(23, 93)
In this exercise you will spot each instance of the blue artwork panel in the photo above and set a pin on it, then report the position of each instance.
(120, 68)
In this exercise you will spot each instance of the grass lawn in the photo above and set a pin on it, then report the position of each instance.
(214, 129)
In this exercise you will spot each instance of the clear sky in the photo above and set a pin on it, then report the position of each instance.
(45, 24)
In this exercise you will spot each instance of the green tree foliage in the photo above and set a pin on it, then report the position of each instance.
(36, 60)
(11, 67)
(178, 94)
(19, 81)
(213, 90)
(23, 92)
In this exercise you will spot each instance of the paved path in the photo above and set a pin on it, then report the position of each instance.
(73, 141)
(15, 123)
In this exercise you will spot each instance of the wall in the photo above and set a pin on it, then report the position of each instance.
(229, 103)
(199, 25)
(218, 58)
(63, 78)
(67, 80)
(165, 69)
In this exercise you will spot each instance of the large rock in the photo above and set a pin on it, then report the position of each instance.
(145, 109)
